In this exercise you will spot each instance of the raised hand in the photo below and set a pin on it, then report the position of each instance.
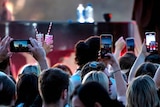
(38, 53)
(4, 48)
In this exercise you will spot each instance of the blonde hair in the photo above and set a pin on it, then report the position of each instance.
(142, 92)
(97, 76)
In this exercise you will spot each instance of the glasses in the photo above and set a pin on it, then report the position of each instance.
(94, 64)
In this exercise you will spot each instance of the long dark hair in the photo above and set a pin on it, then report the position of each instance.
(92, 92)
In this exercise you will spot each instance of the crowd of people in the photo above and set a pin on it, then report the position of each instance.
(129, 80)
(116, 80)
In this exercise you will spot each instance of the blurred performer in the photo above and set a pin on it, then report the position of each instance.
(6, 13)
(147, 16)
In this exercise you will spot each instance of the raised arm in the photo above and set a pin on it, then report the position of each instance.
(140, 59)
(120, 82)
(119, 45)
(38, 53)
(4, 48)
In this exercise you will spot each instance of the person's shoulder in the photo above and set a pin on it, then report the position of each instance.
(76, 78)
(76, 75)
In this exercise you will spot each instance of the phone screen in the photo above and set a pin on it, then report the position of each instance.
(105, 44)
(19, 45)
(130, 44)
(151, 41)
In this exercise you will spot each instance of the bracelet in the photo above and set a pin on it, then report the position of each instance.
(116, 71)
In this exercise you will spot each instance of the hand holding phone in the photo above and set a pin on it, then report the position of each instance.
(19, 46)
(105, 44)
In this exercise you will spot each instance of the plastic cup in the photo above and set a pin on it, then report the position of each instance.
(48, 39)
(40, 38)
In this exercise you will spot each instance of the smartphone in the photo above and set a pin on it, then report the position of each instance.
(105, 44)
(151, 41)
(130, 44)
(19, 46)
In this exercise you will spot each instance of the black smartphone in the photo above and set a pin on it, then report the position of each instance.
(130, 44)
(19, 46)
(105, 44)
(151, 41)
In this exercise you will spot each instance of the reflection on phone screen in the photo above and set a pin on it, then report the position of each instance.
(151, 41)
(130, 44)
(106, 45)
(19, 46)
